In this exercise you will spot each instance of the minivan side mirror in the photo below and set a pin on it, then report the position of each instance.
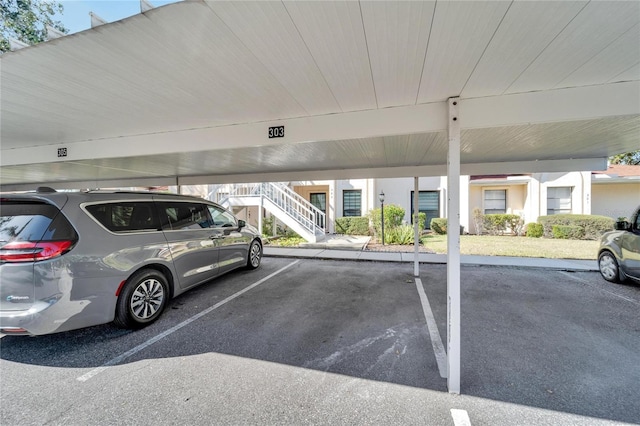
(622, 225)
(241, 223)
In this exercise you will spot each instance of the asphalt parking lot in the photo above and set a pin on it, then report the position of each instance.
(341, 342)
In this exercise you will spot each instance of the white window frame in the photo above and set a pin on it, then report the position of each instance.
(484, 199)
(559, 209)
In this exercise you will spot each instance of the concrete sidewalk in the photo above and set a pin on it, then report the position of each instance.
(354, 254)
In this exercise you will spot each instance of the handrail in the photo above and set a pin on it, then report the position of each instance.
(298, 198)
(305, 213)
(290, 202)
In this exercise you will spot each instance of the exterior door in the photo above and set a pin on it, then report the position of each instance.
(319, 200)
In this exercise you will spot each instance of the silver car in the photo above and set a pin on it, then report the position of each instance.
(73, 260)
(619, 252)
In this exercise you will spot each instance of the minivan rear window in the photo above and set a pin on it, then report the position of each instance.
(33, 221)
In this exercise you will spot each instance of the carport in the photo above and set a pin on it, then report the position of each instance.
(224, 92)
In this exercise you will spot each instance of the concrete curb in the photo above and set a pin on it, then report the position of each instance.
(350, 254)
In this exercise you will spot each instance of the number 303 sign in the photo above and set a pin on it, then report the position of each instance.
(276, 132)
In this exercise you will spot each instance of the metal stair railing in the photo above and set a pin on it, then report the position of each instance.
(236, 190)
(305, 213)
(288, 201)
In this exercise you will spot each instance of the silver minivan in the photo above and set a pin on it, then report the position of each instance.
(75, 259)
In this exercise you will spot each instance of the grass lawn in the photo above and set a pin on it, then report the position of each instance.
(516, 246)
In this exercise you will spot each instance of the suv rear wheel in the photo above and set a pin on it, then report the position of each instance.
(142, 299)
(608, 266)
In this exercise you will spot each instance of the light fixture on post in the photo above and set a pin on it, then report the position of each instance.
(381, 198)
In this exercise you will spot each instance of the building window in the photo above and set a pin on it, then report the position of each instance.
(352, 202)
(429, 204)
(559, 200)
(495, 201)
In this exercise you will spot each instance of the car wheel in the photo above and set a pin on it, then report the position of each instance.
(255, 255)
(142, 299)
(608, 266)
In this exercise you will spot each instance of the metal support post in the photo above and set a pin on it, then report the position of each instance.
(453, 249)
(416, 226)
(381, 198)
(260, 214)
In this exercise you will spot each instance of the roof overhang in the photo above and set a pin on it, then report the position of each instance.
(185, 93)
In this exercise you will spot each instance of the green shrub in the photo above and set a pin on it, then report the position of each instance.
(478, 220)
(422, 220)
(439, 225)
(352, 225)
(567, 232)
(393, 216)
(399, 235)
(593, 226)
(516, 224)
(534, 230)
(267, 226)
(498, 224)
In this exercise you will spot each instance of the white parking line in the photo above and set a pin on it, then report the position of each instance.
(173, 329)
(460, 417)
(434, 334)
(585, 282)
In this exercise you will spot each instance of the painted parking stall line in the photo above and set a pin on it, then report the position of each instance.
(604, 290)
(120, 358)
(460, 417)
(434, 334)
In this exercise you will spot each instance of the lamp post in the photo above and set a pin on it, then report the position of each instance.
(381, 198)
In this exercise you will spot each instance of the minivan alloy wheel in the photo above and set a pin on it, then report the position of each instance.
(142, 299)
(255, 255)
(147, 298)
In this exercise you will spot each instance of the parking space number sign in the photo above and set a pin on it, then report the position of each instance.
(276, 132)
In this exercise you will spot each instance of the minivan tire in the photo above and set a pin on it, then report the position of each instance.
(142, 299)
(255, 255)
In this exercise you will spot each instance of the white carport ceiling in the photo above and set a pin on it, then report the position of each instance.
(185, 93)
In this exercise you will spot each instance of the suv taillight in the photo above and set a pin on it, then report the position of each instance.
(25, 251)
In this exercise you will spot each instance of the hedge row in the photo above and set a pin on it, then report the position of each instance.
(567, 232)
(498, 224)
(354, 225)
(591, 227)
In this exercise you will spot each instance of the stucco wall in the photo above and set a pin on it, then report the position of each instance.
(516, 199)
(398, 191)
(614, 199)
(580, 195)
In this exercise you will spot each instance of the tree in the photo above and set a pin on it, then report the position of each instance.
(26, 20)
(629, 158)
